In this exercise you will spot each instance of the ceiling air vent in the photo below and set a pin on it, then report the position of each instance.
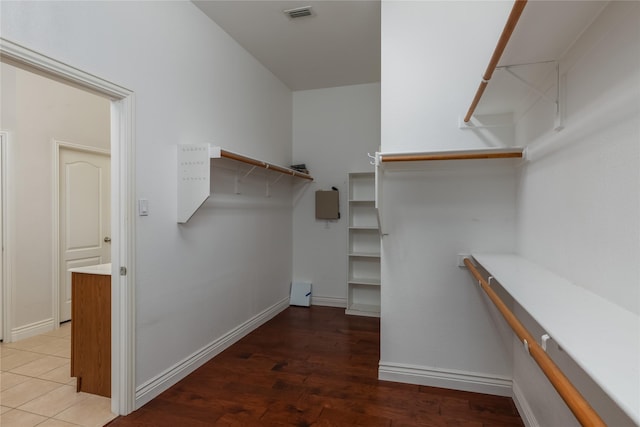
(299, 12)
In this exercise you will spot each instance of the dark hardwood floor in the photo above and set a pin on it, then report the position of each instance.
(312, 367)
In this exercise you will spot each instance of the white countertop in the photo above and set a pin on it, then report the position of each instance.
(102, 269)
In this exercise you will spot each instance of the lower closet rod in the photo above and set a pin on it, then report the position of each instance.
(572, 397)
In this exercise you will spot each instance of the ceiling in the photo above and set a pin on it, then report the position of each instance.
(338, 45)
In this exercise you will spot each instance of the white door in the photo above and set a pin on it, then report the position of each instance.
(84, 203)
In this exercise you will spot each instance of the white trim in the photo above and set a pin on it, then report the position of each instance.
(524, 409)
(32, 329)
(122, 209)
(445, 378)
(55, 181)
(79, 147)
(123, 317)
(329, 301)
(25, 56)
(6, 290)
(172, 375)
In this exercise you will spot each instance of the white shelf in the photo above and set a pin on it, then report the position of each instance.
(364, 282)
(365, 254)
(363, 227)
(363, 310)
(364, 202)
(194, 170)
(601, 337)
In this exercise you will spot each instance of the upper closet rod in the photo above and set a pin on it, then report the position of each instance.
(262, 164)
(514, 16)
(572, 397)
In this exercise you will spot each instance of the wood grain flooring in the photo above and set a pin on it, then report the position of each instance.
(312, 367)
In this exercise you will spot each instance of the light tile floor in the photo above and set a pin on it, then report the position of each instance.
(37, 390)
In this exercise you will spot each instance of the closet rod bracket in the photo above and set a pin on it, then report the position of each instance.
(473, 123)
(543, 341)
(373, 159)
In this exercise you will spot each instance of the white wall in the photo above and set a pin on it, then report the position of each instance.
(35, 110)
(193, 84)
(574, 206)
(435, 330)
(579, 193)
(333, 130)
(579, 199)
(433, 54)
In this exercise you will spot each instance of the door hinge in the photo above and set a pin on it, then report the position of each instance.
(123, 271)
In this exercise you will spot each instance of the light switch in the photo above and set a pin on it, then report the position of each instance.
(143, 207)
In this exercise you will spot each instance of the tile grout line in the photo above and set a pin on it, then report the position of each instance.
(55, 341)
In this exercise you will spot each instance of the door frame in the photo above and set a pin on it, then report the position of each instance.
(5, 265)
(55, 179)
(122, 210)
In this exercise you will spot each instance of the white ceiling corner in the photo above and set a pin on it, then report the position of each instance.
(339, 45)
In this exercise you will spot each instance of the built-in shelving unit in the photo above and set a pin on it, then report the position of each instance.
(194, 174)
(363, 281)
(601, 337)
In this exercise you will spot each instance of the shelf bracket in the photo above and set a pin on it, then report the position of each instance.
(249, 172)
(193, 179)
(558, 122)
(530, 85)
(238, 180)
(274, 182)
(279, 177)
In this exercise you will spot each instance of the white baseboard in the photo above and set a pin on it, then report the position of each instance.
(329, 301)
(32, 329)
(156, 385)
(524, 409)
(445, 378)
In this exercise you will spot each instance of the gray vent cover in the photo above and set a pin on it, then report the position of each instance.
(299, 12)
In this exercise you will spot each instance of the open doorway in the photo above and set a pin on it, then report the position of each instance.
(82, 201)
(122, 209)
(59, 201)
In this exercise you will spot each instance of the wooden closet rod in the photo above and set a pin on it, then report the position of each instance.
(514, 16)
(262, 164)
(572, 397)
(450, 156)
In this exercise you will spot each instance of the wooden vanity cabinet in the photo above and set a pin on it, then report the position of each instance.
(91, 332)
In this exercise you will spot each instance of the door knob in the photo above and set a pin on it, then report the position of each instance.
(107, 239)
